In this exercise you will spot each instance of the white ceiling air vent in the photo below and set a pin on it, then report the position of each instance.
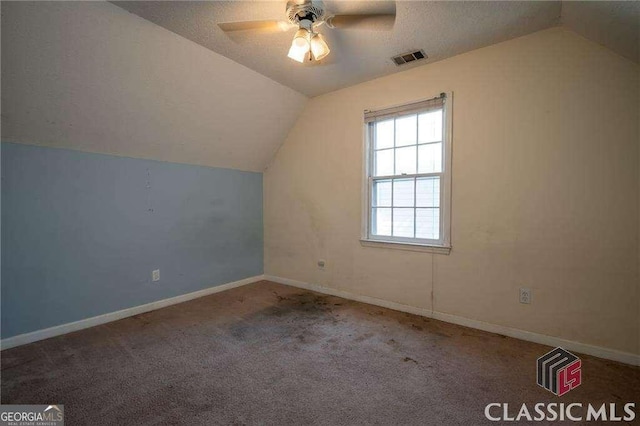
(405, 58)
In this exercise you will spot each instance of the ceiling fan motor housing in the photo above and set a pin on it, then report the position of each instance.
(298, 11)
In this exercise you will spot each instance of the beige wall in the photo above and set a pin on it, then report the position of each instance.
(93, 77)
(545, 192)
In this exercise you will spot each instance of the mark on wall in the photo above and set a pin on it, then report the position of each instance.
(148, 191)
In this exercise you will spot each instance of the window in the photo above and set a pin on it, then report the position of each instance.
(408, 174)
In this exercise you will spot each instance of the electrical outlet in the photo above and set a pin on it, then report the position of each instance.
(155, 275)
(321, 263)
(525, 295)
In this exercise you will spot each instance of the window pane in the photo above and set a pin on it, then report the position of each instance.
(381, 221)
(406, 160)
(403, 193)
(406, 131)
(430, 158)
(428, 223)
(428, 192)
(384, 134)
(382, 193)
(403, 223)
(384, 163)
(430, 126)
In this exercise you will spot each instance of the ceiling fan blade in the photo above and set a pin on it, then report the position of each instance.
(376, 22)
(262, 26)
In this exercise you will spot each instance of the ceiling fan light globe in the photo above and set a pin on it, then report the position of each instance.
(300, 44)
(301, 39)
(319, 47)
(298, 53)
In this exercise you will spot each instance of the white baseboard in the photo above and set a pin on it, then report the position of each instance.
(34, 336)
(597, 351)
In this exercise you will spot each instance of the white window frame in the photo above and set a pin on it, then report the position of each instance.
(442, 245)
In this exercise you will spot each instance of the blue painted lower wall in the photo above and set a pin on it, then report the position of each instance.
(82, 232)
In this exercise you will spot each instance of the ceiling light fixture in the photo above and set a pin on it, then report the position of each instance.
(307, 16)
(319, 47)
(308, 43)
(300, 45)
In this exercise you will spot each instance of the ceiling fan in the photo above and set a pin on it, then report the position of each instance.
(307, 16)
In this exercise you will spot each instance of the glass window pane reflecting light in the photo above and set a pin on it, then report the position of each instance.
(428, 192)
(384, 163)
(406, 131)
(430, 158)
(381, 221)
(428, 223)
(430, 127)
(407, 176)
(382, 193)
(403, 223)
(406, 160)
(384, 134)
(403, 192)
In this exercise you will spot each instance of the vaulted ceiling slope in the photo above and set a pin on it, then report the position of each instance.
(93, 77)
(613, 24)
(442, 29)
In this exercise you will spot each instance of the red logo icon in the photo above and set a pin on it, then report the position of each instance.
(559, 371)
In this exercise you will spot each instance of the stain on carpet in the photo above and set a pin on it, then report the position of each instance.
(271, 354)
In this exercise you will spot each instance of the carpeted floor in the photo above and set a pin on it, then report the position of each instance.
(271, 354)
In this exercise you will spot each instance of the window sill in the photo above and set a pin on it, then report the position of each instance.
(405, 246)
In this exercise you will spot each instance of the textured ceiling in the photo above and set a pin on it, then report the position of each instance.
(442, 29)
(614, 24)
